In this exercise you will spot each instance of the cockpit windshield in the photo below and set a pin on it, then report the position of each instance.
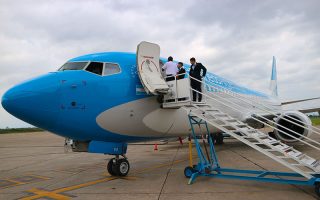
(73, 66)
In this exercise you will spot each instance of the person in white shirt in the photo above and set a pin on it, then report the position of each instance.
(171, 69)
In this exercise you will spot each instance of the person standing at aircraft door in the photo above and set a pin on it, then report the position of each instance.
(171, 69)
(197, 72)
(181, 72)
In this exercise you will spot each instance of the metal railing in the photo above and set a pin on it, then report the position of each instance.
(231, 93)
(255, 104)
(265, 108)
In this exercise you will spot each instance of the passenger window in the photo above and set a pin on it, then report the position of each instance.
(95, 67)
(111, 68)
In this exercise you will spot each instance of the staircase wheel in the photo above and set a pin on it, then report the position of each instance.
(188, 171)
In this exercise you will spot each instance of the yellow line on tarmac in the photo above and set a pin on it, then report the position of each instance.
(37, 176)
(16, 182)
(85, 184)
(54, 194)
(44, 193)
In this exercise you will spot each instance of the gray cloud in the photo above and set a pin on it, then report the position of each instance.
(234, 39)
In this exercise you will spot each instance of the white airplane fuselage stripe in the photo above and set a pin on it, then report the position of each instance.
(145, 118)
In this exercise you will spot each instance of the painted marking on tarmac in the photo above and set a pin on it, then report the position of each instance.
(56, 194)
(44, 193)
(30, 178)
(7, 183)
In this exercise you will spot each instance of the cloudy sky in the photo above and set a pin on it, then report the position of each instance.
(234, 39)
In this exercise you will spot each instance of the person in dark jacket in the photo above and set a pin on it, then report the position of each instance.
(181, 72)
(197, 72)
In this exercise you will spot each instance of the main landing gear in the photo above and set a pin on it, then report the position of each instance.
(217, 138)
(118, 166)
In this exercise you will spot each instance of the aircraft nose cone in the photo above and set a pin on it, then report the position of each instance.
(4, 101)
(7, 98)
(35, 101)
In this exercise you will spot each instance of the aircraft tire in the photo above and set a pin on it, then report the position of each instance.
(219, 138)
(121, 168)
(110, 167)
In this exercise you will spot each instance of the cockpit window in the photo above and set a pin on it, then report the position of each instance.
(98, 68)
(73, 66)
(111, 68)
(95, 67)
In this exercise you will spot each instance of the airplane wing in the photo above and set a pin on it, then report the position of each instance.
(297, 101)
(301, 109)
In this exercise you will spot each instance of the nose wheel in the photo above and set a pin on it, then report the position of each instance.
(118, 166)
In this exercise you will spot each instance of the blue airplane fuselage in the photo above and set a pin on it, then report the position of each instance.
(69, 102)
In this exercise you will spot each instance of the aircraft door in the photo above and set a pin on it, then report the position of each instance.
(149, 69)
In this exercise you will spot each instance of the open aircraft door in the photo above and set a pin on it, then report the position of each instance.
(149, 70)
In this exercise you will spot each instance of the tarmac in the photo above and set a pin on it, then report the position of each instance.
(36, 166)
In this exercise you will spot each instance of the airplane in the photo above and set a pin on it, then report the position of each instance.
(104, 101)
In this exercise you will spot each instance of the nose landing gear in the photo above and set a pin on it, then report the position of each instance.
(118, 166)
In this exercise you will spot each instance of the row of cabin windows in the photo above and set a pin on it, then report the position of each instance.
(98, 68)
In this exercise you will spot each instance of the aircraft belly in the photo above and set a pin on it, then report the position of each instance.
(141, 118)
(181, 126)
(145, 118)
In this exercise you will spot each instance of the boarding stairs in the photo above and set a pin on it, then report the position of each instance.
(306, 169)
(177, 95)
(274, 149)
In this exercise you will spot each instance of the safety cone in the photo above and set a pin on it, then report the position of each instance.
(155, 147)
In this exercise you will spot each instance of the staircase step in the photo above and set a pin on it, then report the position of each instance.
(283, 147)
(316, 164)
(296, 164)
(258, 135)
(295, 153)
(231, 120)
(283, 157)
(307, 160)
(221, 115)
(270, 140)
(213, 110)
(230, 128)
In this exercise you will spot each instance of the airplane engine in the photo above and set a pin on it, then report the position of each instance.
(298, 118)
